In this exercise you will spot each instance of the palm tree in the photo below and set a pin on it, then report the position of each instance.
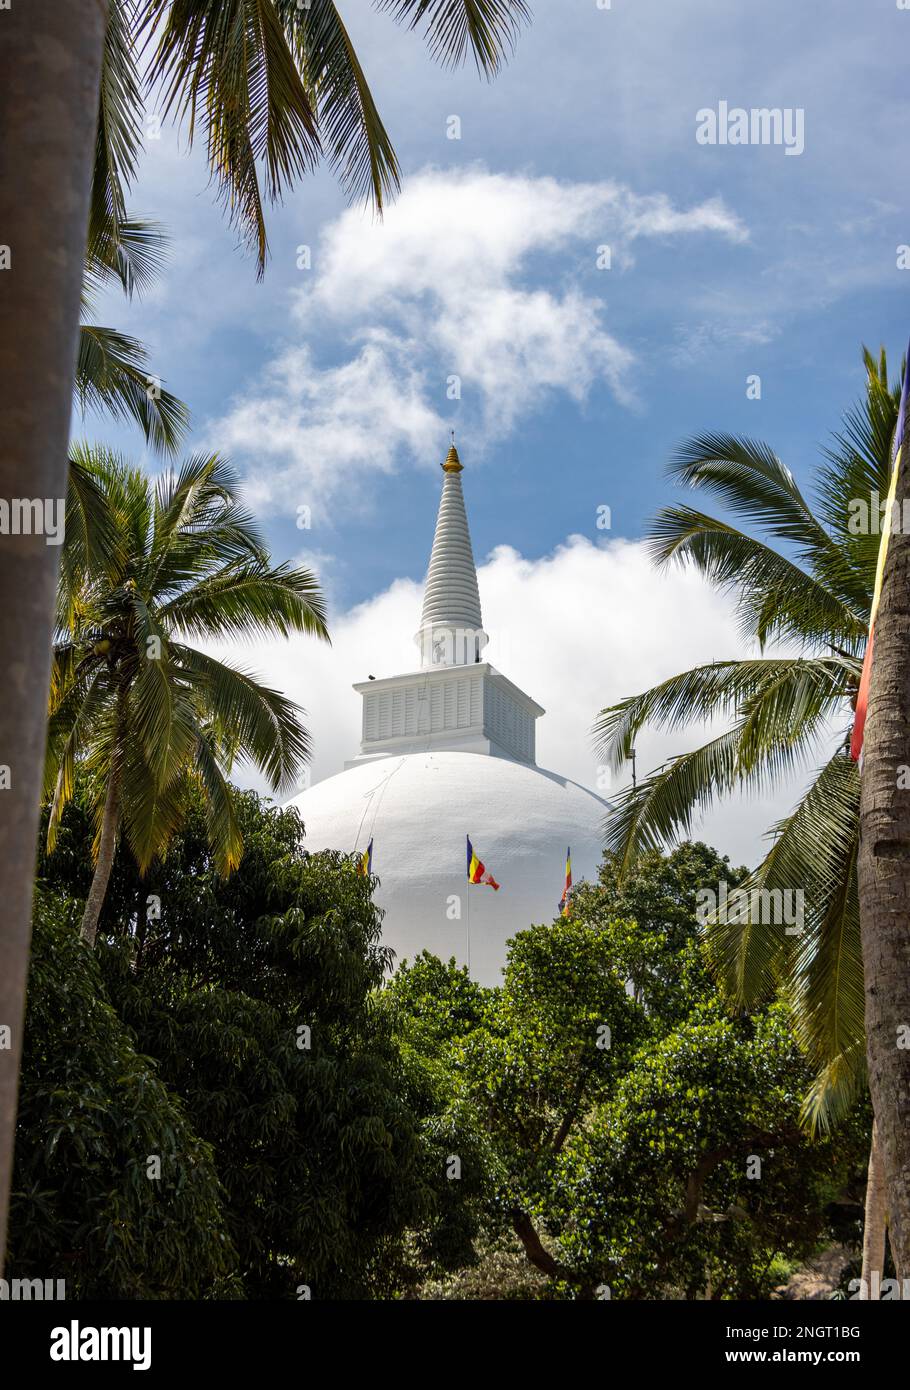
(803, 577)
(275, 86)
(135, 706)
(884, 873)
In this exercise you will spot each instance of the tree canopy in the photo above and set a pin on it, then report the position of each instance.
(630, 1136)
(254, 997)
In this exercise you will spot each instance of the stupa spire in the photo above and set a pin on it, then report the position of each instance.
(451, 626)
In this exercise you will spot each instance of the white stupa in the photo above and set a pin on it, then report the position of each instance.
(447, 753)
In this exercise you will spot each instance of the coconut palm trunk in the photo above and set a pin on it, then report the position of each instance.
(48, 108)
(884, 882)
(875, 1224)
(107, 848)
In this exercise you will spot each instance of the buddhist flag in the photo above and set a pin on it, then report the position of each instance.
(477, 872)
(365, 863)
(564, 905)
(862, 698)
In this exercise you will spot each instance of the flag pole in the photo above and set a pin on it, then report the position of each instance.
(467, 930)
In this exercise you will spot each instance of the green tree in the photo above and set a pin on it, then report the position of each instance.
(695, 1176)
(275, 86)
(144, 566)
(615, 1157)
(510, 1083)
(434, 1007)
(114, 1190)
(649, 913)
(255, 997)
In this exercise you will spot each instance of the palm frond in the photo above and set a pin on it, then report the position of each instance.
(820, 965)
(662, 806)
(76, 713)
(487, 28)
(224, 832)
(112, 374)
(246, 599)
(768, 691)
(111, 247)
(857, 475)
(264, 725)
(835, 1090)
(775, 597)
(792, 705)
(815, 849)
(227, 64)
(151, 811)
(91, 540)
(133, 254)
(751, 480)
(196, 511)
(355, 138)
(153, 703)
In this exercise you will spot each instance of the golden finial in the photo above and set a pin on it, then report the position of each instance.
(453, 463)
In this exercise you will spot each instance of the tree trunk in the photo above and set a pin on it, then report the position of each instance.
(51, 62)
(541, 1258)
(884, 880)
(875, 1224)
(110, 824)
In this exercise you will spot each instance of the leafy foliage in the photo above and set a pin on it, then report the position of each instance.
(696, 1173)
(138, 709)
(366, 1140)
(276, 86)
(648, 916)
(119, 247)
(488, 28)
(618, 1160)
(431, 1006)
(805, 577)
(112, 370)
(112, 374)
(226, 65)
(92, 1112)
(254, 996)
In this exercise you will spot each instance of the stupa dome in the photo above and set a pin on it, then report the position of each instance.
(419, 808)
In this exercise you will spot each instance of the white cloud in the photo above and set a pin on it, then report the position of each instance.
(455, 234)
(490, 278)
(450, 266)
(307, 435)
(578, 629)
(698, 340)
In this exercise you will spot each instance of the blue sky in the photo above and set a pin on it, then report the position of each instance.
(328, 386)
(591, 96)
